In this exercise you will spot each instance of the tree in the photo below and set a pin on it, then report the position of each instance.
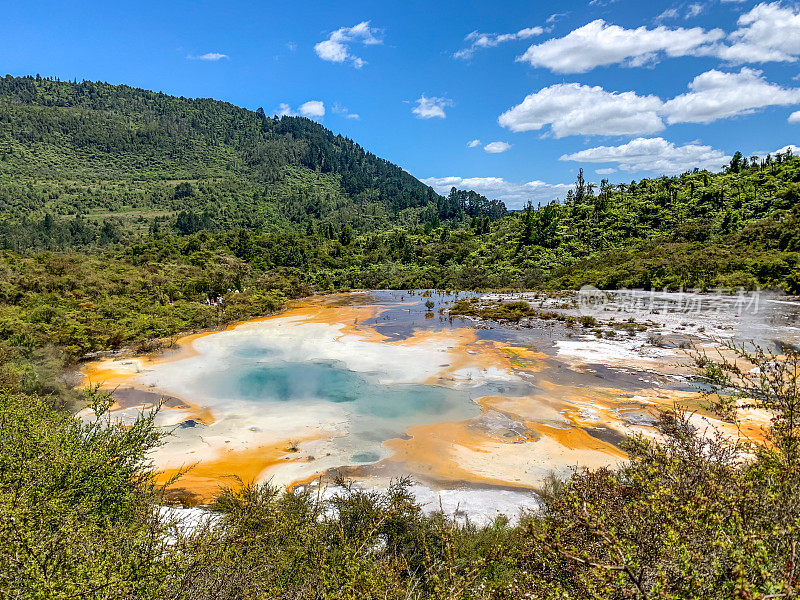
(737, 161)
(346, 235)
(545, 223)
(188, 222)
(527, 235)
(184, 190)
(580, 187)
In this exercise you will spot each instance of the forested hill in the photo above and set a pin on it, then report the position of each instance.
(157, 179)
(131, 159)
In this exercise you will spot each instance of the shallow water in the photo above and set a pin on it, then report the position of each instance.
(377, 412)
(376, 386)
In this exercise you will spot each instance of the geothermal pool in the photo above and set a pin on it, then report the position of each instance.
(374, 386)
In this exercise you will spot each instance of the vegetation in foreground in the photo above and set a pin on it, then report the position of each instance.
(689, 516)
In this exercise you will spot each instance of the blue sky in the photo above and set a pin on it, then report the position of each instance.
(624, 87)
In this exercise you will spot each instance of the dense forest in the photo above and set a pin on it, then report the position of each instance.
(91, 167)
(122, 211)
(90, 164)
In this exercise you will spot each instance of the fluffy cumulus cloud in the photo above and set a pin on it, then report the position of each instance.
(515, 195)
(794, 117)
(431, 108)
(652, 154)
(717, 95)
(769, 32)
(313, 109)
(576, 109)
(473, 143)
(599, 43)
(497, 147)
(478, 40)
(337, 47)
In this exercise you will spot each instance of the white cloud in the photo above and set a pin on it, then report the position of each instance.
(693, 10)
(515, 195)
(769, 32)
(795, 150)
(497, 147)
(429, 108)
(794, 117)
(670, 13)
(717, 95)
(575, 109)
(337, 47)
(490, 40)
(473, 143)
(312, 108)
(284, 110)
(763, 153)
(343, 111)
(208, 56)
(653, 154)
(598, 44)
(606, 171)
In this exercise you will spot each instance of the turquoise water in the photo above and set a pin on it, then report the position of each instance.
(374, 412)
(258, 378)
(294, 382)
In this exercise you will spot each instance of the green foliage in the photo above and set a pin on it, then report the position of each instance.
(123, 213)
(91, 164)
(513, 312)
(78, 512)
(83, 304)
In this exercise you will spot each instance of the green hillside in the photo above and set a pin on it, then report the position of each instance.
(103, 163)
(91, 166)
(739, 227)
